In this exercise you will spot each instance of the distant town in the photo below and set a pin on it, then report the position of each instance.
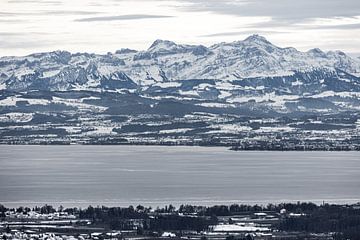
(235, 222)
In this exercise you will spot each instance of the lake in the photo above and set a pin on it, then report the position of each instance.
(155, 176)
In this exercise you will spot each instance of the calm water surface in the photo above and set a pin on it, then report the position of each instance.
(123, 175)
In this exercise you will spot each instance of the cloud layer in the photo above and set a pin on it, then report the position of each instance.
(100, 26)
(280, 10)
(120, 18)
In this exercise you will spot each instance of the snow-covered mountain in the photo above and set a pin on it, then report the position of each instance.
(249, 93)
(166, 62)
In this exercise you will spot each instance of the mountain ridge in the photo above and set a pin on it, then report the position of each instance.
(250, 93)
(167, 61)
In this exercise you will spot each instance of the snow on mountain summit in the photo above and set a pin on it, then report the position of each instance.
(256, 38)
(167, 61)
(158, 44)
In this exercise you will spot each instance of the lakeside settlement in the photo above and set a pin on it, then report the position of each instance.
(235, 222)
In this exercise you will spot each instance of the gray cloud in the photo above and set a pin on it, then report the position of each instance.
(54, 12)
(26, 44)
(12, 34)
(26, 34)
(46, 2)
(244, 32)
(6, 14)
(256, 29)
(67, 12)
(295, 17)
(12, 20)
(120, 18)
(340, 27)
(282, 11)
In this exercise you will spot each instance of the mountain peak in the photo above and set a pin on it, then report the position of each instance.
(249, 58)
(317, 52)
(159, 43)
(257, 38)
(125, 51)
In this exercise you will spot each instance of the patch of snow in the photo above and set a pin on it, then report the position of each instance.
(338, 94)
(275, 129)
(90, 98)
(167, 84)
(168, 234)
(218, 105)
(189, 93)
(297, 83)
(224, 94)
(79, 104)
(229, 128)
(50, 73)
(16, 117)
(101, 130)
(71, 129)
(11, 101)
(238, 228)
(277, 100)
(179, 130)
(2, 86)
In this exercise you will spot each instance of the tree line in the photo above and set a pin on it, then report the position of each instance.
(344, 220)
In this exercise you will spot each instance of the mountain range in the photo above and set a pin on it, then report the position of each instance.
(166, 61)
(252, 78)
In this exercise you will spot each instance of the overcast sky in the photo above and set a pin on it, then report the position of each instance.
(100, 26)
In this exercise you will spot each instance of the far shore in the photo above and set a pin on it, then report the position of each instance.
(229, 146)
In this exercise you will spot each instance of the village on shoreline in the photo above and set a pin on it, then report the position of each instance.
(281, 221)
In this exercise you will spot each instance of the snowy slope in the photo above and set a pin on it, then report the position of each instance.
(166, 61)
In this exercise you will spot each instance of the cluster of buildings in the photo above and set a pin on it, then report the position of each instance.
(63, 226)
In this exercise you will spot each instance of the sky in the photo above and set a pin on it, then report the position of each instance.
(101, 26)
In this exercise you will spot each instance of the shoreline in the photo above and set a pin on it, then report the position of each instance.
(229, 147)
(154, 203)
